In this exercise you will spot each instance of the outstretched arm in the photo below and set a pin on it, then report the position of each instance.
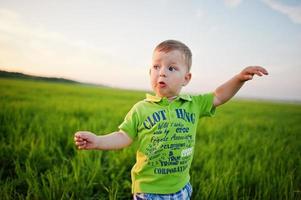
(112, 141)
(227, 90)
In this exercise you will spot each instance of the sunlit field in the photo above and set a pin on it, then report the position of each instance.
(248, 150)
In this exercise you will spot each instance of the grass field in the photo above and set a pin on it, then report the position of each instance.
(249, 150)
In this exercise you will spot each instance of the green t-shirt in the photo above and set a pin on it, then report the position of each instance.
(166, 136)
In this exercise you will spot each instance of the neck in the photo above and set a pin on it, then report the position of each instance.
(171, 98)
(168, 98)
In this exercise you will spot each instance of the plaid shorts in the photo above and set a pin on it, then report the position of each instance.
(183, 194)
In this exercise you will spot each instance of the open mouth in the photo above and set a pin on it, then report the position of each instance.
(161, 84)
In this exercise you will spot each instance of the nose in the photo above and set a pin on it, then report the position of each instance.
(162, 72)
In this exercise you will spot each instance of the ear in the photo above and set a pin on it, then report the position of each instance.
(187, 78)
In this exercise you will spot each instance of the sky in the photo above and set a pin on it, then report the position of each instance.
(111, 42)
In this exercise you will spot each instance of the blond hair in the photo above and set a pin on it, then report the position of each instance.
(170, 45)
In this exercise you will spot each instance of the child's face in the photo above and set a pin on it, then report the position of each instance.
(169, 73)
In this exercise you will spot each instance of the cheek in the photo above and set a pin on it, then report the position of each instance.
(152, 78)
(153, 73)
(180, 81)
(180, 77)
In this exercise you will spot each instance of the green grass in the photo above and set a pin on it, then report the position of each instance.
(249, 150)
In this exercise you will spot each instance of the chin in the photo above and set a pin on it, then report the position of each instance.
(160, 94)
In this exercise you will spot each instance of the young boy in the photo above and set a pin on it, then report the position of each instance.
(165, 124)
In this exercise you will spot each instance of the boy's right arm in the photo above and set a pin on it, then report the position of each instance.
(112, 141)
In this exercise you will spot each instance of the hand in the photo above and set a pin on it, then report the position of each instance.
(85, 140)
(249, 72)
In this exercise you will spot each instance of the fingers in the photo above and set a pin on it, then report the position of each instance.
(81, 145)
(258, 70)
(249, 72)
(247, 77)
(80, 140)
(262, 70)
(258, 73)
(81, 134)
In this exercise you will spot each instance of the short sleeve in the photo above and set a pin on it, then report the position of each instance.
(130, 123)
(205, 104)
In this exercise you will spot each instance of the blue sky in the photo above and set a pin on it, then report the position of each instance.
(111, 42)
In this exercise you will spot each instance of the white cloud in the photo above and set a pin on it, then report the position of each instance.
(293, 12)
(232, 3)
(200, 14)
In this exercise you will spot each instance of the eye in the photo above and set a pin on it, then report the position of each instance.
(156, 67)
(171, 68)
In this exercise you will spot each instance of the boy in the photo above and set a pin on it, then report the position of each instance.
(165, 124)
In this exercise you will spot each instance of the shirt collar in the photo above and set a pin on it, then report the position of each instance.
(152, 98)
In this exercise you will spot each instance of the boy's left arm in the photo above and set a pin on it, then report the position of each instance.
(227, 90)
